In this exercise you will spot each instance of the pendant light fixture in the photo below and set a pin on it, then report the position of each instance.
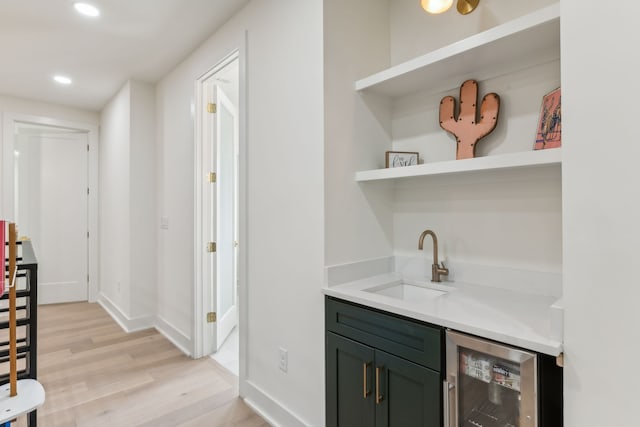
(436, 6)
(439, 6)
(467, 6)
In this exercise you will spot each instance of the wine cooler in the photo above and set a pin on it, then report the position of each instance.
(488, 384)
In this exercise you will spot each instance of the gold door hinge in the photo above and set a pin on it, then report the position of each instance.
(212, 317)
(212, 108)
(212, 177)
(211, 247)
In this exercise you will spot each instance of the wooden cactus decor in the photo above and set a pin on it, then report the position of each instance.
(466, 127)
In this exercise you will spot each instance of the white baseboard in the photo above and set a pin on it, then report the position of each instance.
(272, 411)
(126, 323)
(176, 337)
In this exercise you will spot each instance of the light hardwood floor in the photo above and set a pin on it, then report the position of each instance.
(94, 374)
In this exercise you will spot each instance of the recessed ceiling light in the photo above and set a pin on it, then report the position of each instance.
(87, 9)
(63, 80)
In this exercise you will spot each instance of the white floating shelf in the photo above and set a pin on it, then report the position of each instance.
(499, 161)
(522, 43)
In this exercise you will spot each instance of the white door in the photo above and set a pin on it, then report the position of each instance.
(221, 214)
(52, 210)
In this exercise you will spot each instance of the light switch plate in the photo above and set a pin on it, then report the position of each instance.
(283, 362)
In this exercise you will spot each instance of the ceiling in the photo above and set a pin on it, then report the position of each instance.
(132, 39)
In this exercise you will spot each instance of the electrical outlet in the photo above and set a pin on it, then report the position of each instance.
(283, 360)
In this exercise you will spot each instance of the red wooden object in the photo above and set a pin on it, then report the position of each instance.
(13, 349)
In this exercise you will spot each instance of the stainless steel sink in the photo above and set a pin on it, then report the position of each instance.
(406, 291)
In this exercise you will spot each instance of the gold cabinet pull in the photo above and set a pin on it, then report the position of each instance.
(379, 396)
(365, 389)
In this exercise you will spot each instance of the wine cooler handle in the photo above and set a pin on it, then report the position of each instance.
(446, 397)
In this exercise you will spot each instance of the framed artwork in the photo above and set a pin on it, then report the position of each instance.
(395, 159)
(549, 134)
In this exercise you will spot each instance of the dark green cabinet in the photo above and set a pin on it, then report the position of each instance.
(382, 370)
(350, 400)
(410, 393)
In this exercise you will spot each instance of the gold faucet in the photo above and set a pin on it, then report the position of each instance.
(436, 269)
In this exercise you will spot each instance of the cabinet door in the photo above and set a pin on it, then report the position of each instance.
(408, 394)
(350, 401)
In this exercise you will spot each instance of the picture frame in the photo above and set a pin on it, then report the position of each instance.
(549, 132)
(395, 159)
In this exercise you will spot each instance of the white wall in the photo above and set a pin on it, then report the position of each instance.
(37, 108)
(175, 130)
(128, 220)
(285, 204)
(143, 219)
(497, 219)
(359, 222)
(115, 140)
(601, 211)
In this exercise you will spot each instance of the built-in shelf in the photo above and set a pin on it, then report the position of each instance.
(519, 44)
(525, 159)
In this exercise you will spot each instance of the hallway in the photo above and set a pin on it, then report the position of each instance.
(95, 375)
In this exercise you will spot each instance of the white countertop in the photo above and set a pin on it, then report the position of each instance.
(529, 321)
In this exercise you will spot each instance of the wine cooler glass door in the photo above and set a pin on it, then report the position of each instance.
(489, 384)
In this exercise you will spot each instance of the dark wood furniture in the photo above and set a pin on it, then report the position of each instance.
(27, 320)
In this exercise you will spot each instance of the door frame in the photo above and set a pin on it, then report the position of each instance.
(201, 289)
(7, 189)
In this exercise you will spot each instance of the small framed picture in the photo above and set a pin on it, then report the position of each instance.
(395, 159)
(550, 124)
